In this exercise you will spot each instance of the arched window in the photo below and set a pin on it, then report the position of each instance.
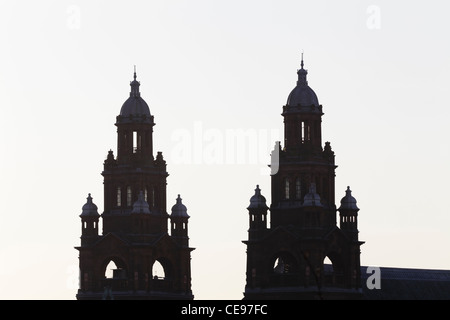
(298, 189)
(285, 263)
(286, 188)
(129, 196)
(306, 131)
(153, 196)
(328, 271)
(119, 197)
(113, 271)
(135, 141)
(109, 272)
(158, 271)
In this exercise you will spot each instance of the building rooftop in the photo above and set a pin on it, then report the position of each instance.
(407, 284)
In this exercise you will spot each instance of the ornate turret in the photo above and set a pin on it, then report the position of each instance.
(348, 212)
(302, 96)
(135, 241)
(179, 223)
(257, 211)
(286, 260)
(89, 222)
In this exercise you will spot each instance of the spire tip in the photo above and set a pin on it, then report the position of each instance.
(302, 60)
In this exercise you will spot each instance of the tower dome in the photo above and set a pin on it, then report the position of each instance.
(89, 208)
(348, 202)
(257, 200)
(302, 95)
(135, 109)
(179, 209)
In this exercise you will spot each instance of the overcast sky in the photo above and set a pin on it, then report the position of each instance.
(212, 71)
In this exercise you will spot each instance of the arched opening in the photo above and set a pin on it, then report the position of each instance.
(306, 131)
(332, 269)
(115, 270)
(328, 272)
(284, 270)
(110, 270)
(119, 197)
(286, 189)
(284, 265)
(135, 141)
(298, 189)
(158, 271)
(115, 274)
(153, 204)
(129, 196)
(162, 275)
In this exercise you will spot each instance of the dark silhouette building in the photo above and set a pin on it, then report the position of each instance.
(135, 222)
(287, 260)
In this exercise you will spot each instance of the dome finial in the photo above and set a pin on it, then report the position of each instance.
(302, 95)
(302, 74)
(302, 61)
(135, 86)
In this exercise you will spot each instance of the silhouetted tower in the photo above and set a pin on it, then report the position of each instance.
(89, 222)
(147, 262)
(348, 212)
(286, 261)
(257, 211)
(179, 223)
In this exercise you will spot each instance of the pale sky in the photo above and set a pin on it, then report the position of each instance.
(211, 71)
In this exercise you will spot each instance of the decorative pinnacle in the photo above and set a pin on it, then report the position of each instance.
(302, 61)
(135, 86)
(302, 74)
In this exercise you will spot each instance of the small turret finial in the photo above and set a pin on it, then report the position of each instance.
(135, 86)
(302, 60)
(302, 74)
